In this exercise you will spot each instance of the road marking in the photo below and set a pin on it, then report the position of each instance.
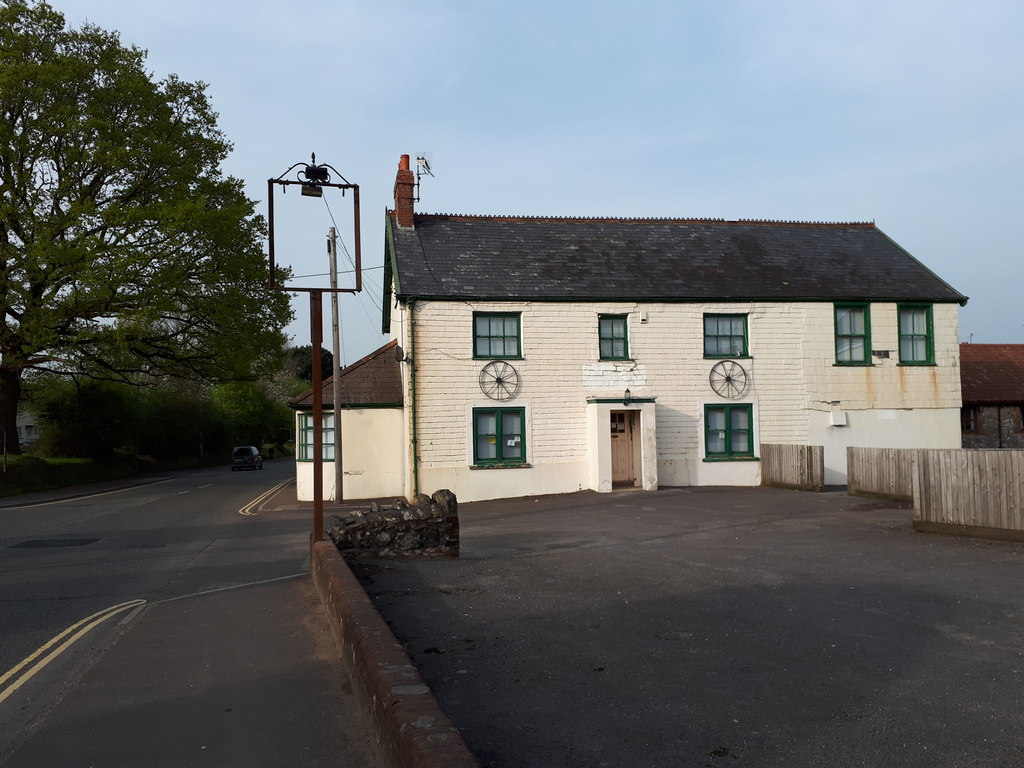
(304, 574)
(63, 641)
(250, 508)
(86, 496)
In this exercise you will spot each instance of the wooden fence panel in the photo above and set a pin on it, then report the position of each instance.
(793, 466)
(885, 472)
(969, 489)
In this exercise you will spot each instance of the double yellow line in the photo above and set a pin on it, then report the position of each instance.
(20, 674)
(250, 509)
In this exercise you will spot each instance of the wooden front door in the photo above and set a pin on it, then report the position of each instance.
(623, 461)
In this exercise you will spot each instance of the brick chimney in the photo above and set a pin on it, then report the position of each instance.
(404, 193)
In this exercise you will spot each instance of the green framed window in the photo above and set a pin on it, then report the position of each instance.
(729, 431)
(613, 338)
(725, 336)
(499, 437)
(304, 448)
(853, 334)
(496, 335)
(917, 342)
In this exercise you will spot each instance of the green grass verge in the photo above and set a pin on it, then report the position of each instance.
(30, 474)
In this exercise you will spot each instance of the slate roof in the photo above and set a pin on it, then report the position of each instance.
(376, 380)
(992, 374)
(494, 257)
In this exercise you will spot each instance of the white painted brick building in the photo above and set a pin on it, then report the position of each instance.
(555, 355)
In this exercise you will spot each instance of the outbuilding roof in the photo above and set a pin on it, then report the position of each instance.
(992, 374)
(447, 256)
(373, 381)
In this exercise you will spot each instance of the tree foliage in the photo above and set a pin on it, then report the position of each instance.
(299, 362)
(125, 253)
(98, 419)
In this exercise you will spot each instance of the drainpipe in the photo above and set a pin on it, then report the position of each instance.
(412, 400)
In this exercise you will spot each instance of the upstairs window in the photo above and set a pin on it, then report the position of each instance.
(496, 335)
(917, 343)
(725, 336)
(614, 344)
(853, 334)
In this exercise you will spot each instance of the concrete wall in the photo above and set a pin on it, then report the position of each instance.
(794, 387)
(882, 428)
(373, 452)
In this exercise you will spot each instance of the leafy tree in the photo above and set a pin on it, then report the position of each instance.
(251, 414)
(300, 362)
(88, 421)
(125, 254)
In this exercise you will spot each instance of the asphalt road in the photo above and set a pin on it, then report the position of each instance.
(731, 628)
(65, 560)
(127, 612)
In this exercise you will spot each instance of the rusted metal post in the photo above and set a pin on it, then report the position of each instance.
(270, 233)
(316, 329)
(313, 179)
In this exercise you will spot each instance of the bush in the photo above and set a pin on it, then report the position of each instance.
(30, 474)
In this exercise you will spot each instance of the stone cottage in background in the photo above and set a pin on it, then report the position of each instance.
(992, 380)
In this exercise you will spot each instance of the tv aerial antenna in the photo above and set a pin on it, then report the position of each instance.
(424, 161)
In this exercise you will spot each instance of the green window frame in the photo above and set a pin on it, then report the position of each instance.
(499, 437)
(729, 432)
(853, 333)
(496, 335)
(725, 336)
(304, 448)
(916, 334)
(613, 337)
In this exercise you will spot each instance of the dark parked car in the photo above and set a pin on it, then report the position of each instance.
(246, 457)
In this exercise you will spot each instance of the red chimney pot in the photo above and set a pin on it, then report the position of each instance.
(405, 185)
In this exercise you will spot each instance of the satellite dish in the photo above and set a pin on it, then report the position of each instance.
(399, 354)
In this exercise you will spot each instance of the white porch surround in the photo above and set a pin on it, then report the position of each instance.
(599, 449)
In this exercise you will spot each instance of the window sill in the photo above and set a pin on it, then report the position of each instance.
(728, 357)
(499, 357)
(730, 458)
(616, 360)
(911, 363)
(501, 466)
(852, 365)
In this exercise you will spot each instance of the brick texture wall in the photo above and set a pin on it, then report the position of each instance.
(791, 370)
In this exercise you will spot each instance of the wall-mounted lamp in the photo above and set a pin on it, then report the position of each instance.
(627, 397)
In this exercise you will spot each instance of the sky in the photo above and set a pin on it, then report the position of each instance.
(907, 113)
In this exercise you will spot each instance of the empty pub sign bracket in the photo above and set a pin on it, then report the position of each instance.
(313, 178)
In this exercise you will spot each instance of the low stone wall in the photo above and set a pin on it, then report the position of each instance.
(407, 721)
(427, 527)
